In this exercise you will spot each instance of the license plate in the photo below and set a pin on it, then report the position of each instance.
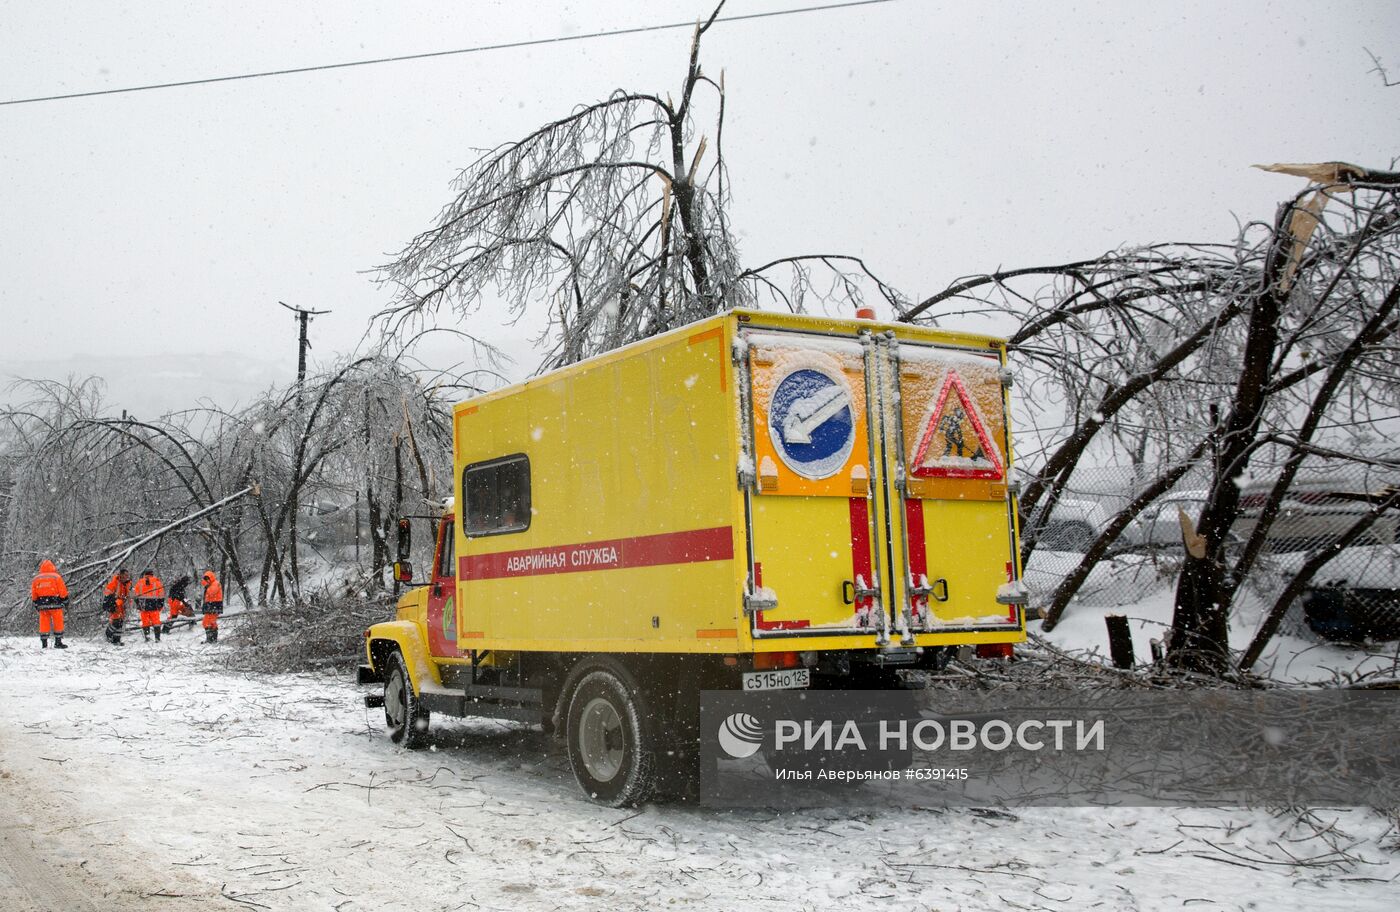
(785, 679)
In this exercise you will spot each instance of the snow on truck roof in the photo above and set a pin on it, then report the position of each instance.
(758, 319)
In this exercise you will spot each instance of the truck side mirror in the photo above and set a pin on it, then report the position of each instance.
(403, 571)
(405, 543)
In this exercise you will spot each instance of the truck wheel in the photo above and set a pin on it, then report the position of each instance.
(403, 714)
(611, 741)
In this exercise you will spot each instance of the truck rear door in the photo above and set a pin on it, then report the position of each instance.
(814, 546)
(876, 494)
(948, 454)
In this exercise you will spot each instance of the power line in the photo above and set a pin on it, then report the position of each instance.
(430, 54)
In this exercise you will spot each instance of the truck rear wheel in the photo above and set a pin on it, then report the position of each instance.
(611, 738)
(405, 716)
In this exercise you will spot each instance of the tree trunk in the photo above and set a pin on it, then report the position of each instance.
(1200, 622)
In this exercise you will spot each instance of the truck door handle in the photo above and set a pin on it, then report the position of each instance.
(939, 590)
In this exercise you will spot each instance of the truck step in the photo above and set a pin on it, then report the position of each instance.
(492, 692)
(522, 704)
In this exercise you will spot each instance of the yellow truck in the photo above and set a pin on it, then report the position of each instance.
(756, 501)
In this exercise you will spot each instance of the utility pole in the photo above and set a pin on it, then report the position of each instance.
(303, 316)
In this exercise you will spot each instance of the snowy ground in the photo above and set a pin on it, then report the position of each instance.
(148, 778)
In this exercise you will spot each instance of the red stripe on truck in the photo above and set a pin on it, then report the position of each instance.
(861, 565)
(689, 547)
(760, 624)
(918, 551)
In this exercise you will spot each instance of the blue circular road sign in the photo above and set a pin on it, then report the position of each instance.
(811, 423)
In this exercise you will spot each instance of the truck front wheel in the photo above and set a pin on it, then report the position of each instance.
(611, 738)
(406, 718)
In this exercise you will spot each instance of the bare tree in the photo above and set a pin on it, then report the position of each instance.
(614, 221)
(1328, 288)
(1205, 360)
(1112, 352)
(1379, 69)
(253, 494)
(87, 489)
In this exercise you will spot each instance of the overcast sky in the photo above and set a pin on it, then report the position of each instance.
(933, 139)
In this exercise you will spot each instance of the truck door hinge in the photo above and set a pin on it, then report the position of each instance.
(762, 600)
(1013, 593)
(739, 351)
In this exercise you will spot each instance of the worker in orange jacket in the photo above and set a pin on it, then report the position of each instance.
(150, 597)
(213, 606)
(176, 600)
(49, 593)
(114, 598)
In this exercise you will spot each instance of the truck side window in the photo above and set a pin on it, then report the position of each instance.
(446, 565)
(497, 493)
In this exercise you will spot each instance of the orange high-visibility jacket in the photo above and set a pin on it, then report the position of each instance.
(149, 587)
(118, 589)
(48, 589)
(213, 592)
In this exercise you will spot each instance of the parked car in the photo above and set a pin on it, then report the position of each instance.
(1311, 516)
(1159, 526)
(1356, 595)
(1314, 514)
(1073, 525)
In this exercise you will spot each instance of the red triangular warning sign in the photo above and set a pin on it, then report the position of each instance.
(960, 458)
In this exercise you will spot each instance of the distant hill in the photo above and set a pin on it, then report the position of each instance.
(147, 387)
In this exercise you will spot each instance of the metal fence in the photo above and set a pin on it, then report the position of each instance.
(1354, 596)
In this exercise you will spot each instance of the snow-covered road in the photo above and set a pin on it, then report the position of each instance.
(151, 778)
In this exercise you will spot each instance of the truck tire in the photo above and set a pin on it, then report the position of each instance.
(611, 739)
(404, 715)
